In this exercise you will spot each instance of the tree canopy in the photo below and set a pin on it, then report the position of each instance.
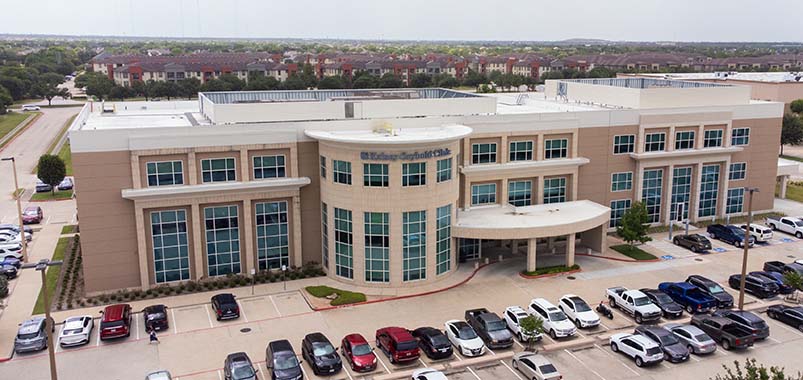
(635, 224)
(51, 170)
(791, 130)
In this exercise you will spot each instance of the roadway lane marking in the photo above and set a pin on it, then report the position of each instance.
(242, 310)
(274, 306)
(473, 373)
(584, 364)
(511, 370)
(175, 322)
(209, 317)
(618, 360)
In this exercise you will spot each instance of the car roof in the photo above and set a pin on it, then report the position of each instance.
(428, 331)
(31, 325)
(114, 312)
(660, 331)
(316, 337)
(744, 314)
(700, 278)
(516, 310)
(238, 357)
(647, 342)
(224, 297)
(280, 345)
(459, 324)
(355, 339)
(398, 333)
(37, 208)
(543, 302)
(155, 309)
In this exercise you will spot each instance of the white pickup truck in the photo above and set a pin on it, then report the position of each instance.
(633, 302)
(786, 224)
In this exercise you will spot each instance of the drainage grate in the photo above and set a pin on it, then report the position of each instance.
(790, 256)
(570, 277)
(245, 330)
(698, 259)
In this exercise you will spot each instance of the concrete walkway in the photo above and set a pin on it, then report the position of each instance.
(788, 207)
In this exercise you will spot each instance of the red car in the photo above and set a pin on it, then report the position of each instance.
(398, 344)
(32, 214)
(358, 353)
(116, 321)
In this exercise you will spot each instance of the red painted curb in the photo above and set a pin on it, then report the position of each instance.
(546, 275)
(406, 296)
(618, 259)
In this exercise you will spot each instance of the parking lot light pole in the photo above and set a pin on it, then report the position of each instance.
(42, 266)
(746, 244)
(17, 196)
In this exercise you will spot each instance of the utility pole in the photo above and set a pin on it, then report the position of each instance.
(42, 266)
(17, 196)
(746, 245)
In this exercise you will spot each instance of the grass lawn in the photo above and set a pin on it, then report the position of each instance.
(793, 158)
(343, 297)
(551, 270)
(794, 191)
(10, 121)
(66, 155)
(68, 229)
(51, 276)
(66, 194)
(633, 252)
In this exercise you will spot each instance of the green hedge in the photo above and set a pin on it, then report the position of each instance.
(344, 297)
(551, 270)
(633, 252)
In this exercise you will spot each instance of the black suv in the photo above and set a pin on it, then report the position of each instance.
(155, 317)
(758, 286)
(238, 366)
(669, 307)
(694, 242)
(779, 267)
(724, 299)
(752, 322)
(225, 307)
(433, 342)
(281, 361)
(320, 354)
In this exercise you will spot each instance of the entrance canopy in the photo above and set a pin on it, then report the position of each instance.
(509, 222)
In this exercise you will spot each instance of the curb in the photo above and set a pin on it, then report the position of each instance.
(407, 295)
(618, 259)
(52, 200)
(548, 275)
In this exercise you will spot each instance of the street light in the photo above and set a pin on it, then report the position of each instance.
(17, 196)
(41, 266)
(746, 244)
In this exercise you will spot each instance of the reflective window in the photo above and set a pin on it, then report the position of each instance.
(222, 240)
(414, 246)
(171, 260)
(273, 243)
(218, 170)
(269, 167)
(165, 173)
(377, 247)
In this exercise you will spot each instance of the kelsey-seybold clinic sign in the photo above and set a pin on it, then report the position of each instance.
(405, 156)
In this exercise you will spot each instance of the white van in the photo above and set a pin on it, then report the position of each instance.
(762, 234)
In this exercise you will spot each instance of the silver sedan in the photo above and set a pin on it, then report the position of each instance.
(696, 340)
(535, 366)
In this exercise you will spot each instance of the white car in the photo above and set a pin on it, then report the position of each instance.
(555, 321)
(9, 234)
(428, 374)
(464, 338)
(578, 311)
(513, 317)
(10, 238)
(642, 349)
(11, 250)
(76, 331)
(30, 107)
(534, 366)
(159, 375)
(762, 234)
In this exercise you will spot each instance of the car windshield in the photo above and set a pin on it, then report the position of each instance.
(702, 338)
(715, 289)
(799, 223)
(662, 297)
(105, 325)
(321, 349)
(467, 333)
(72, 331)
(641, 301)
(556, 316)
(653, 351)
(361, 349)
(440, 340)
(580, 305)
(406, 346)
(496, 325)
(31, 212)
(547, 368)
(668, 339)
(242, 372)
(285, 362)
(153, 316)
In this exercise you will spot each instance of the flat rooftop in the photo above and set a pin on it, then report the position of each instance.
(767, 77)
(234, 97)
(643, 83)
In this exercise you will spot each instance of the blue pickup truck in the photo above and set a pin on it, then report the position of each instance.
(689, 296)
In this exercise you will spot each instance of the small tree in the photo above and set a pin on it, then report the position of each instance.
(753, 371)
(634, 225)
(51, 170)
(794, 280)
(531, 327)
(791, 131)
(796, 106)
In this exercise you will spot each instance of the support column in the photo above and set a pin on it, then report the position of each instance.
(198, 252)
(668, 206)
(245, 168)
(638, 182)
(192, 170)
(694, 199)
(531, 244)
(248, 232)
(142, 253)
(540, 190)
(297, 259)
(722, 197)
(135, 173)
(784, 183)
(570, 240)
(514, 246)
(503, 194)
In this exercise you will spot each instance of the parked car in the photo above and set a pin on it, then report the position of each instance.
(723, 330)
(225, 306)
(783, 288)
(669, 307)
(398, 344)
(66, 184)
(320, 354)
(159, 375)
(729, 234)
(358, 353)
(790, 225)
(31, 336)
(13, 261)
(696, 340)
(281, 361)
(32, 215)
(556, 324)
(491, 329)
(155, 317)
(13, 250)
(238, 366)
(791, 315)
(689, 296)
(7, 237)
(762, 234)
(633, 302)
(643, 350)
(433, 342)
(534, 366)
(711, 288)
(694, 242)
(16, 228)
(751, 321)
(758, 286)
(428, 374)
(513, 317)
(115, 322)
(578, 311)
(76, 331)
(42, 187)
(464, 338)
(674, 351)
(9, 271)
(779, 267)
(30, 107)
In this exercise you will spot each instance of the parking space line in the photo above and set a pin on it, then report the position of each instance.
(242, 310)
(618, 360)
(781, 324)
(175, 322)
(663, 363)
(422, 362)
(304, 372)
(383, 363)
(584, 364)
(457, 355)
(691, 356)
(489, 350)
(577, 331)
(606, 327)
(473, 373)
(274, 306)
(97, 342)
(136, 326)
(511, 370)
(774, 340)
(346, 370)
(219, 375)
(517, 342)
(209, 317)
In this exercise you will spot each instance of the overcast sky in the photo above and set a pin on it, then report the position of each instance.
(633, 20)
